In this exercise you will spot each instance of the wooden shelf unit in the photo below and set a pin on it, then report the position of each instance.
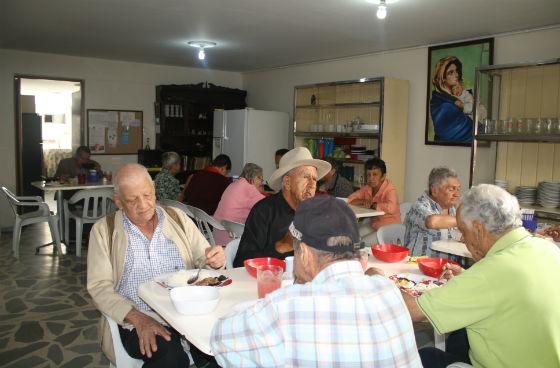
(527, 91)
(381, 101)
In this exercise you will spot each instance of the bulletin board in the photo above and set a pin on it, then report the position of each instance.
(114, 132)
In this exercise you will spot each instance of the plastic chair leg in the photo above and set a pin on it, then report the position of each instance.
(79, 228)
(67, 229)
(53, 225)
(15, 237)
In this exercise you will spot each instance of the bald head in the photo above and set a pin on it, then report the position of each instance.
(129, 175)
(135, 193)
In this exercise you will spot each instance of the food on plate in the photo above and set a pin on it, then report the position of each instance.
(211, 281)
(415, 288)
(553, 232)
(415, 259)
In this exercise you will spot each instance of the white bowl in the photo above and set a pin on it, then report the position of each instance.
(193, 300)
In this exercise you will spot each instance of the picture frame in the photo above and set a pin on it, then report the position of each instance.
(450, 105)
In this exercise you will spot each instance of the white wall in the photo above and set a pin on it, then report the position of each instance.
(273, 90)
(108, 85)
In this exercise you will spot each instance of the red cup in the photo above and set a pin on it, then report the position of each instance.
(81, 178)
(269, 278)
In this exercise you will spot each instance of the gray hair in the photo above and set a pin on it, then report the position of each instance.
(492, 206)
(169, 159)
(325, 257)
(439, 175)
(117, 179)
(251, 171)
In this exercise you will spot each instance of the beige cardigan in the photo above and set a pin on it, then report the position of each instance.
(105, 268)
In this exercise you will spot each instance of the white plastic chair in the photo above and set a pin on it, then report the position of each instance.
(42, 214)
(391, 234)
(231, 251)
(205, 223)
(404, 208)
(235, 229)
(178, 205)
(123, 360)
(459, 365)
(96, 204)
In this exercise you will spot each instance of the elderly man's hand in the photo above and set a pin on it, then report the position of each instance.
(147, 329)
(215, 256)
(451, 270)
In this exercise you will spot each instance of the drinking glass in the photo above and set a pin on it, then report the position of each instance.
(529, 126)
(521, 126)
(537, 129)
(269, 278)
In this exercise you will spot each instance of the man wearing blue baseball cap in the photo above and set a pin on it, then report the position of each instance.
(337, 316)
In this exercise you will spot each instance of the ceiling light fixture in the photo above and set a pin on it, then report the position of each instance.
(201, 45)
(382, 10)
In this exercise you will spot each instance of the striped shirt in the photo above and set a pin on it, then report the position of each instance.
(418, 238)
(146, 259)
(342, 318)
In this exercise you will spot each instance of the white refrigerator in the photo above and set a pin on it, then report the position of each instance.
(250, 135)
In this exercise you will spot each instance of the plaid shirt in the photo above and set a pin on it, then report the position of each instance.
(167, 186)
(418, 237)
(342, 318)
(146, 259)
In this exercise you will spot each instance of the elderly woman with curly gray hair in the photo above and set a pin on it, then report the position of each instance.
(505, 309)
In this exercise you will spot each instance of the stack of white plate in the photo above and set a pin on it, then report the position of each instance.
(501, 183)
(548, 194)
(526, 195)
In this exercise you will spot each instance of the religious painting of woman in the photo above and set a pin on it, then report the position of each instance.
(450, 102)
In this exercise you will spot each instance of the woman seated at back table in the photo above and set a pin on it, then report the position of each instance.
(238, 199)
(379, 194)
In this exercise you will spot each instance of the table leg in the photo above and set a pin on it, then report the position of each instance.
(60, 213)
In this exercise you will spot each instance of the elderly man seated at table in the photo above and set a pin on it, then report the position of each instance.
(433, 214)
(266, 229)
(167, 186)
(132, 246)
(205, 188)
(238, 199)
(379, 194)
(335, 184)
(70, 167)
(508, 301)
(338, 318)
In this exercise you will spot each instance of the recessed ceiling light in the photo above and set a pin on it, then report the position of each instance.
(201, 45)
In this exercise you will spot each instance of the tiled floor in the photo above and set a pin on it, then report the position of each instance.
(46, 318)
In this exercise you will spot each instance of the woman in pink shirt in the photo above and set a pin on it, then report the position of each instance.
(379, 194)
(238, 199)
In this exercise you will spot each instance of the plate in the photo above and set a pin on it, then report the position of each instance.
(179, 278)
(417, 284)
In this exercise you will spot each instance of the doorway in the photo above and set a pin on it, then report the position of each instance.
(49, 126)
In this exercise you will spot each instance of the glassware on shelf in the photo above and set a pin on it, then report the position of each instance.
(521, 126)
(508, 126)
(538, 127)
(556, 125)
(548, 127)
(530, 125)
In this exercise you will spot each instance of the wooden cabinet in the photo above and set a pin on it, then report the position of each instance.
(519, 139)
(184, 116)
(371, 113)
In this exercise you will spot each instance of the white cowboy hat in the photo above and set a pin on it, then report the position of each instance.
(299, 156)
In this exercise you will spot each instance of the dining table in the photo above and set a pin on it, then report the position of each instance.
(451, 246)
(197, 329)
(58, 188)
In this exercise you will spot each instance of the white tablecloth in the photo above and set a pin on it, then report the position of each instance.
(197, 329)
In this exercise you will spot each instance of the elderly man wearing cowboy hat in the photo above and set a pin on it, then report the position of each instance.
(266, 229)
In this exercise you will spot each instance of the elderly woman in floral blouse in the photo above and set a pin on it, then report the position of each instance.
(167, 186)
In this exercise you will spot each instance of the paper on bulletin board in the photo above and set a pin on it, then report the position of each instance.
(98, 118)
(112, 136)
(112, 117)
(97, 138)
(127, 117)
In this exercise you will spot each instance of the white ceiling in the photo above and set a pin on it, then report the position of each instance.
(255, 34)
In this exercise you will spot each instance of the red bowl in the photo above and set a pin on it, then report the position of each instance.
(252, 264)
(389, 252)
(433, 266)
